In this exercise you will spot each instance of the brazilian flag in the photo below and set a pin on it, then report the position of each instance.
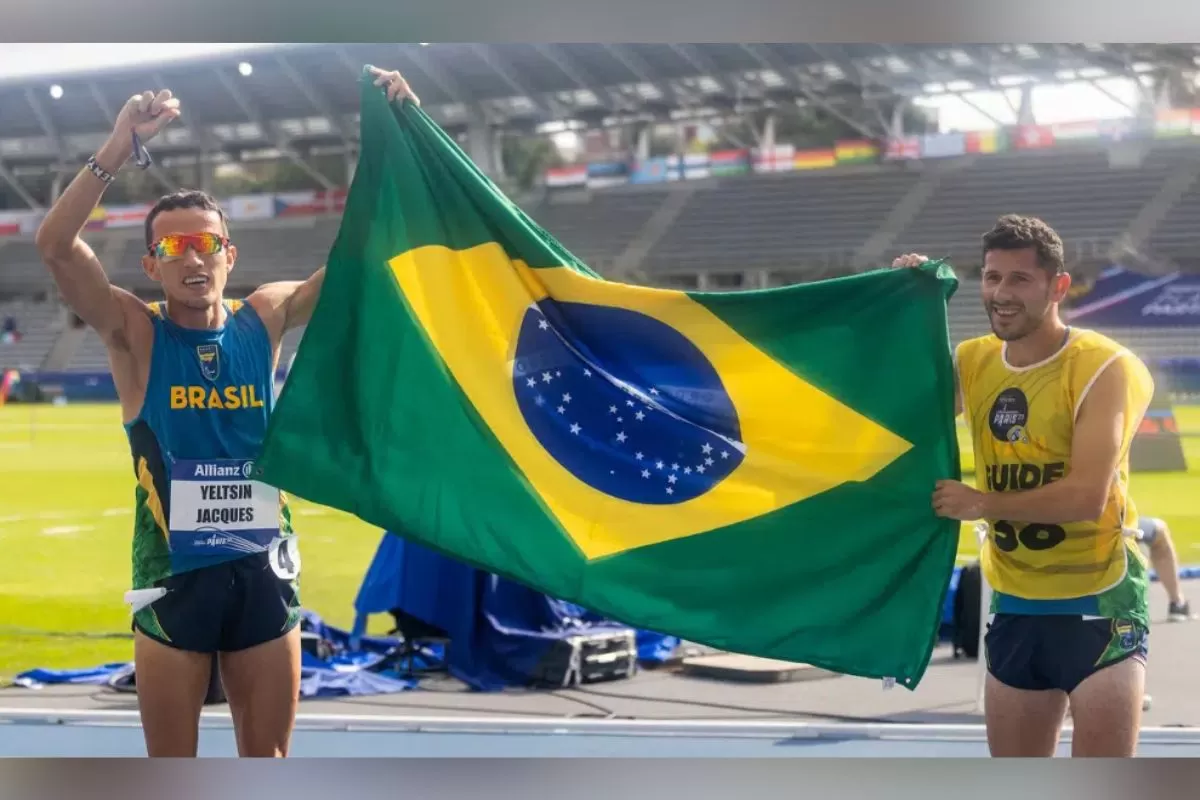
(748, 470)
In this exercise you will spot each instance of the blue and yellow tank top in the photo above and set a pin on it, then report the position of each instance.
(1022, 422)
(209, 394)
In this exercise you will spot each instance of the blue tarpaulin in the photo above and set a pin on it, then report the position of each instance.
(498, 630)
(444, 593)
(100, 675)
(346, 672)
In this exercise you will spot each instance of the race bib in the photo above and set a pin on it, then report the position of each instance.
(217, 509)
(284, 557)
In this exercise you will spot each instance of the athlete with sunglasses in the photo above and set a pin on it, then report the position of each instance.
(214, 557)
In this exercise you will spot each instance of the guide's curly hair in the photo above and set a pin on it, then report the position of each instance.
(1014, 232)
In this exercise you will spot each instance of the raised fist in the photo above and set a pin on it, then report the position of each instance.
(146, 114)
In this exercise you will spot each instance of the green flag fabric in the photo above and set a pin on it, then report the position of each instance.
(748, 470)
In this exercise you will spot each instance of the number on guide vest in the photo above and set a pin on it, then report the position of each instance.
(1035, 536)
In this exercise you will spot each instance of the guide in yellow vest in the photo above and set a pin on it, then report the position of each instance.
(1052, 412)
(1084, 559)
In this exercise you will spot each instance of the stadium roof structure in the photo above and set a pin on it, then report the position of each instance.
(302, 96)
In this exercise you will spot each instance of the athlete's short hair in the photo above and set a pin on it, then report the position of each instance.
(184, 198)
(1014, 232)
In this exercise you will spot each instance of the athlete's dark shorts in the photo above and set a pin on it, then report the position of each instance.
(223, 608)
(1058, 651)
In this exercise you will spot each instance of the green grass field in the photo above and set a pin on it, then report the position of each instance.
(64, 526)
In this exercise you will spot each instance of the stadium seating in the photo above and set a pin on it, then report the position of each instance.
(967, 319)
(39, 324)
(776, 221)
(291, 251)
(91, 356)
(1076, 191)
(21, 269)
(785, 223)
(1178, 234)
(598, 228)
(965, 313)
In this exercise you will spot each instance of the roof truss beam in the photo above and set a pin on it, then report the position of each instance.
(21, 192)
(578, 75)
(940, 73)
(643, 73)
(769, 61)
(704, 64)
(548, 106)
(47, 125)
(277, 139)
(313, 97)
(438, 77)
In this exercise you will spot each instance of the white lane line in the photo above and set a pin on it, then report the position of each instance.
(64, 530)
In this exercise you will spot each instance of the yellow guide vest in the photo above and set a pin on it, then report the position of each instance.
(1022, 422)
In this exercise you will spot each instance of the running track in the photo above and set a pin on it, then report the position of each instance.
(40, 734)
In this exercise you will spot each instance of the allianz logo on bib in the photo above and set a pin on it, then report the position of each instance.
(224, 470)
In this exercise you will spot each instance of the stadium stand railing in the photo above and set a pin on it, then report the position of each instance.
(776, 220)
(745, 231)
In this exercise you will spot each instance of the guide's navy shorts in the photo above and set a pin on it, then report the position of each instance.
(1058, 651)
(224, 608)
